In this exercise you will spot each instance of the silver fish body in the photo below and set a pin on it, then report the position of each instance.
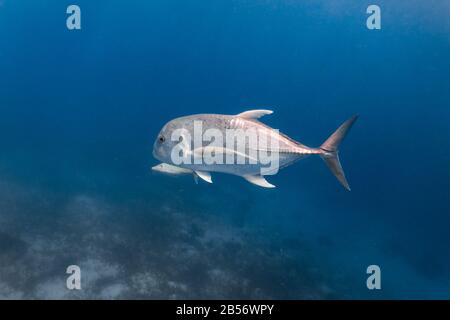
(287, 150)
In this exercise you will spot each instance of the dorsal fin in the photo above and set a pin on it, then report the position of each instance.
(254, 114)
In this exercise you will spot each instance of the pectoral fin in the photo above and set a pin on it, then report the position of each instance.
(254, 114)
(204, 175)
(259, 181)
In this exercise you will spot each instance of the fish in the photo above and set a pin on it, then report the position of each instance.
(176, 145)
(172, 170)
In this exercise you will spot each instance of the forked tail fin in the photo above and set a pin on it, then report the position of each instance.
(330, 151)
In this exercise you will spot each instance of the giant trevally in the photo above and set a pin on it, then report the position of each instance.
(177, 140)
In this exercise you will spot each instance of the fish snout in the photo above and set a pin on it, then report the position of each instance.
(162, 152)
(156, 152)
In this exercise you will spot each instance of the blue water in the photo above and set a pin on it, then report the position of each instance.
(79, 111)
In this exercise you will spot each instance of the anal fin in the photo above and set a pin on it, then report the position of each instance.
(258, 180)
(204, 175)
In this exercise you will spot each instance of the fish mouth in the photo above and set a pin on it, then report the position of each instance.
(157, 155)
(154, 153)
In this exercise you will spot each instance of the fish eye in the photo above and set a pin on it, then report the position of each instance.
(162, 139)
(180, 139)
